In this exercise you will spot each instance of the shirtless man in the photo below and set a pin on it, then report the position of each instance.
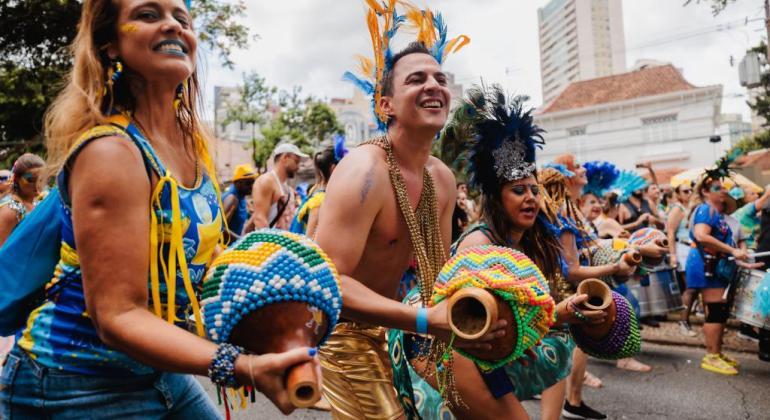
(273, 199)
(364, 232)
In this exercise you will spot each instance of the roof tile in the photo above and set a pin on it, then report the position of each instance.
(647, 81)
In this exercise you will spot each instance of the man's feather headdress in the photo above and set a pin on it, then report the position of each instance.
(384, 21)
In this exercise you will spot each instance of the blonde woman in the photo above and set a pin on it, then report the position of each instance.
(125, 138)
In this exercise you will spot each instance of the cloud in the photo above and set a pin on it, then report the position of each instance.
(312, 42)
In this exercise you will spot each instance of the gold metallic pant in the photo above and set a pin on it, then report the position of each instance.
(357, 375)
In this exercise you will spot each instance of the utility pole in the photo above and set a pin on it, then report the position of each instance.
(767, 26)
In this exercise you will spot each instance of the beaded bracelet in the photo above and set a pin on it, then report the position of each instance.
(222, 367)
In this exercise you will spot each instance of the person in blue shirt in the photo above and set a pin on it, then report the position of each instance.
(234, 200)
(712, 240)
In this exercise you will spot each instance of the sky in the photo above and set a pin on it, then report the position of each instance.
(312, 42)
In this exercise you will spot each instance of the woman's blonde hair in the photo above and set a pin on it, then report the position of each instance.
(85, 102)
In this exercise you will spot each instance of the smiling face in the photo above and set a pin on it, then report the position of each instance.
(155, 40)
(521, 201)
(420, 97)
(590, 206)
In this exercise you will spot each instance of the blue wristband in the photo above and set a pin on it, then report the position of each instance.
(422, 321)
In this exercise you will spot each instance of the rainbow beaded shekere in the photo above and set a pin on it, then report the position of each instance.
(265, 267)
(512, 276)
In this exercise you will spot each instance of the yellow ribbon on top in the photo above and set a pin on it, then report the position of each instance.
(176, 255)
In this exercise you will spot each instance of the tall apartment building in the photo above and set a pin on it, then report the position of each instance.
(579, 40)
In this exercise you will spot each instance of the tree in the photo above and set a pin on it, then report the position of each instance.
(34, 36)
(717, 6)
(281, 116)
(252, 107)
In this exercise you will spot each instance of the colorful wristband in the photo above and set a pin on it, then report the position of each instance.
(422, 321)
(222, 367)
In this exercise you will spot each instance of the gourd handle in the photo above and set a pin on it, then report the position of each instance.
(471, 312)
(632, 257)
(302, 384)
(599, 298)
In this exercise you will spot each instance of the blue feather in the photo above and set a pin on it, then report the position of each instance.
(561, 168)
(339, 147)
(366, 86)
(601, 175)
(626, 183)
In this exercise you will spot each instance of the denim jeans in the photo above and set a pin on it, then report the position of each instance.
(31, 391)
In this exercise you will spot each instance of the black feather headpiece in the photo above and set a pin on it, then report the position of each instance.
(492, 138)
(722, 167)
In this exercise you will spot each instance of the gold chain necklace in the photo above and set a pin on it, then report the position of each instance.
(423, 225)
(427, 243)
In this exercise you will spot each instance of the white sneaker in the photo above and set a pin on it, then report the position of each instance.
(685, 329)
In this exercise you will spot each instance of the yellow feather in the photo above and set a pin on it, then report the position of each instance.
(365, 66)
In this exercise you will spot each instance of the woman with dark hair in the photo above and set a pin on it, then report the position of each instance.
(306, 218)
(497, 139)
(712, 242)
(108, 340)
(24, 191)
(679, 248)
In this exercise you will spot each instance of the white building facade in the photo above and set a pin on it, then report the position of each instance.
(649, 115)
(579, 40)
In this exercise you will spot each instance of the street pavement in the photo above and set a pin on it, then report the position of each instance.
(677, 388)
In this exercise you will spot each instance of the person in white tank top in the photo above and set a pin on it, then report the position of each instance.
(274, 203)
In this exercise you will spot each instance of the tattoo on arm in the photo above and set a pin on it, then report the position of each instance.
(368, 181)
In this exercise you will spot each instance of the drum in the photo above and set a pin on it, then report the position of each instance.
(743, 304)
(657, 292)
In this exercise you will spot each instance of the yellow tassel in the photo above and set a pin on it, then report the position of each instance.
(154, 277)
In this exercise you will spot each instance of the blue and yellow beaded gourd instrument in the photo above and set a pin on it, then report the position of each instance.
(486, 283)
(272, 291)
(618, 337)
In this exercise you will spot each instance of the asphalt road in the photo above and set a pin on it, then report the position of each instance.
(677, 388)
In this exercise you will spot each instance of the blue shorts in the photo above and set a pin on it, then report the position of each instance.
(29, 390)
(696, 279)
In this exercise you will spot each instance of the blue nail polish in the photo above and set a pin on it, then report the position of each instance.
(312, 351)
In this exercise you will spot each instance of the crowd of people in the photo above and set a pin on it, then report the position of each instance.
(114, 333)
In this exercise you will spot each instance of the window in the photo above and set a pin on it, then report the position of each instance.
(576, 131)
(659, 129)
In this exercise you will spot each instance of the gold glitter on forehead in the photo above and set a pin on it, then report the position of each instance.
(128, 28)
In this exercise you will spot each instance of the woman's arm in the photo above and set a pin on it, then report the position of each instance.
(110, 218)
(577, 272)
(702, 233)
(8, 222)
(312, 222)
(675, 217)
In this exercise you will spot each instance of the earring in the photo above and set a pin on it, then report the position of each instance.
(113, 73)
(180, 93)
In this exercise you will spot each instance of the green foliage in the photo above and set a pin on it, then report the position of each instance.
(34, 58)
(281, 117)
(756, 142)
(717, 6)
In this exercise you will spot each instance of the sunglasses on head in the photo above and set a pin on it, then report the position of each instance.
(522, 189)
